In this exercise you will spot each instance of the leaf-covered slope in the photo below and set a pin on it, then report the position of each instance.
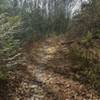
(50, 73)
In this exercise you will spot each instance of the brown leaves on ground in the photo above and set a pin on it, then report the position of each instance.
(48, 75)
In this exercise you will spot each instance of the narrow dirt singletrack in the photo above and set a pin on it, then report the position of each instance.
(42, 78)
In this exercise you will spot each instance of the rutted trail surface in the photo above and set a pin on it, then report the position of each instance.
(48, 75)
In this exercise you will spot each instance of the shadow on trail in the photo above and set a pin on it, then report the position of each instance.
(3, 89)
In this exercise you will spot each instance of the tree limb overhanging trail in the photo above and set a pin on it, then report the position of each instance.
(40, 81)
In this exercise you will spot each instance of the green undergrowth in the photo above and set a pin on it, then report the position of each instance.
(3, 73)
(85, 56)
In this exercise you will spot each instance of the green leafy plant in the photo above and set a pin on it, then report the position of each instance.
(87, 62)
(9, 46)
(87, 37)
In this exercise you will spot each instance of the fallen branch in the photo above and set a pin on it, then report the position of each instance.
(12, 58)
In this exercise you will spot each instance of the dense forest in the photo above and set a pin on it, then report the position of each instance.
(49, 50)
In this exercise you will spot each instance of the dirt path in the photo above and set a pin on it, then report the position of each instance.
(40, 81)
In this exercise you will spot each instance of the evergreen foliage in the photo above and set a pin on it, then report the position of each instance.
(9, 46)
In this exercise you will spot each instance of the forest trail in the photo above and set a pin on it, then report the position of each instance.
(48, 75)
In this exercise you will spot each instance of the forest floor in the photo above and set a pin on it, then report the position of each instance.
(48, 75)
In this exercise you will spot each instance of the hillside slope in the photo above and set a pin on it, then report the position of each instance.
(48, 74)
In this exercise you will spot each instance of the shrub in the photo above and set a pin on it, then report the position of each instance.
(87, 60)
(9, 46)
